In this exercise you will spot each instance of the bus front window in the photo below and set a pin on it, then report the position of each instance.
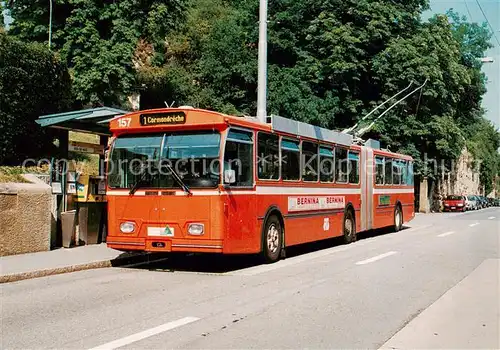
(194, 156)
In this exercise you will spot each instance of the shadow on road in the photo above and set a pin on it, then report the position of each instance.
(215, 263)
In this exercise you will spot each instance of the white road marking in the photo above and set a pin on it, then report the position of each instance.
(446, 234)
(375, 258)
(146, 334)
(474, 224)
(491, 218)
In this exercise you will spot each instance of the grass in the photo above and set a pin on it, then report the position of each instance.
(14, 173)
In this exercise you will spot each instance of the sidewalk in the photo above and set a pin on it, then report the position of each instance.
(63, 260)
(465, 317)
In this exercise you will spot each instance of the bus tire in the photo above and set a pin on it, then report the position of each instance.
(272, 239)
(349, 227)
(398, 218)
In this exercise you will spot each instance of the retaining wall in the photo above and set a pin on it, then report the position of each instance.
(26, 217)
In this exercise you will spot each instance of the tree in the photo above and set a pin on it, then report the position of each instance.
(484, 144)
(33, 82)
(98, 39)
(2, 24)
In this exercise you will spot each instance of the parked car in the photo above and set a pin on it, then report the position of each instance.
(471, 203)
(491, 202)
(454, 203)
(480, 202)
(484, 201)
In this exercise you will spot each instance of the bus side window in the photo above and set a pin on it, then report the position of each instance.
(409, 174)
(309, 161)
(290, 160)
(379, 174)
(326, 164)
(268, 156)
(404, 170)
(353, 167)
(388, 171)
(238, 156)
(396, 172)
(341, 168)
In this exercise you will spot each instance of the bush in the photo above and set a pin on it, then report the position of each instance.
(33, 82)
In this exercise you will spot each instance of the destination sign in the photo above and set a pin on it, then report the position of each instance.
(163, 118)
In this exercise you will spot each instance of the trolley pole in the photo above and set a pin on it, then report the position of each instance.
(262, 78)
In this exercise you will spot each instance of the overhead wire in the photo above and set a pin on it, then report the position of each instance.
(487, 21)
(468, 10)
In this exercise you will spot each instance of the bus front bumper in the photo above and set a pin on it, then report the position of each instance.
(165, 245)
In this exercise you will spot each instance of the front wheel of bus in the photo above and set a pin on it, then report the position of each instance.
(273, 235)
(349, 227)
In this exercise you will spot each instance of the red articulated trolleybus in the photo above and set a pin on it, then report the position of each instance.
(192, 180)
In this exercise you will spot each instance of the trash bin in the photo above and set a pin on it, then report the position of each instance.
(68, 224)
(91, 220)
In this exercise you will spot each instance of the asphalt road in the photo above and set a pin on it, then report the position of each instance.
(376, 292)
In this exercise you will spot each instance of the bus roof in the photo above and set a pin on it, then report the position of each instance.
(179, 118)
(189, 118)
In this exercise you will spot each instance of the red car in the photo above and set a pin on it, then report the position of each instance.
(454, 203)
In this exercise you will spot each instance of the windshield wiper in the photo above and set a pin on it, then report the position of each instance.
(178, 179)
(142, 173)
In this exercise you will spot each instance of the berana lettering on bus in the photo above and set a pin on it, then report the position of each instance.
(307, 200)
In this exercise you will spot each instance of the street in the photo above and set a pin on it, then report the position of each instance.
(441, 271)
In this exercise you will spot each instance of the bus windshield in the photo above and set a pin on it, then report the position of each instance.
(146, 161)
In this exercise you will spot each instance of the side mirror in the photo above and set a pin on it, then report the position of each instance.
(229, 176)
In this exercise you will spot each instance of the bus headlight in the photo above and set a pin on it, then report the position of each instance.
(196, 229)
(127, 227)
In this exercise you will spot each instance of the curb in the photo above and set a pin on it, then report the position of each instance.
(129, 261)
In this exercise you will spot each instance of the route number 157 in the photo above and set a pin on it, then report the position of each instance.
(124, 122)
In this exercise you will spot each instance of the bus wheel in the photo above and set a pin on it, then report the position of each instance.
(398, 219)
(273, 235)
(349, 227)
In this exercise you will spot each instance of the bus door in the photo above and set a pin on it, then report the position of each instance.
(367, 171)
(240, 205)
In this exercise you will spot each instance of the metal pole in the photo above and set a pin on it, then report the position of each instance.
(262, 79)
(50, 24)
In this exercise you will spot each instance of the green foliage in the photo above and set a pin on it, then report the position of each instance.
(98, 39)
(484, 142)
(329, 62)
(431, 53)
(2, 24)
(33, 82)
(473, 38)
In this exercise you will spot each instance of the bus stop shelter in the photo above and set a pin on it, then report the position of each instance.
(90, 203)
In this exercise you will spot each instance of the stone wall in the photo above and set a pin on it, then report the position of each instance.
(26, 219)
(463, 180)
(466, 180)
